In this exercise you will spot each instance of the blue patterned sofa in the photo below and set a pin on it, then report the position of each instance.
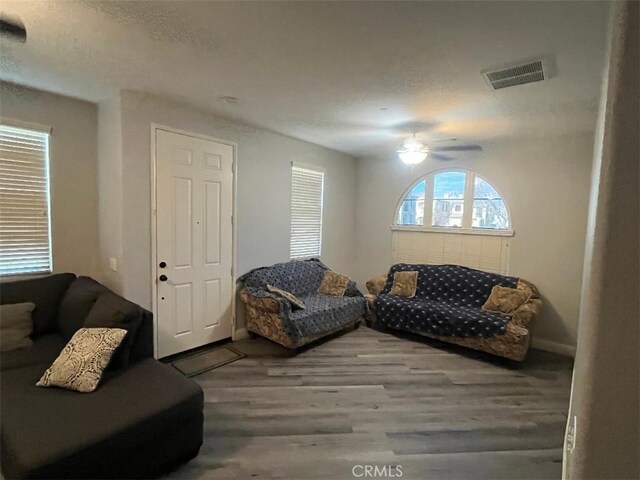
(448, 306)
(273, 317)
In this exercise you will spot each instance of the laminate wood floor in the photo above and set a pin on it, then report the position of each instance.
(372, 398)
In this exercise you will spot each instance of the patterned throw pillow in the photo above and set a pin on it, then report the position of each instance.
(295, 302)
(333, 284)
(80, 365)
(16, 325)
(405, 284)
(505, 300)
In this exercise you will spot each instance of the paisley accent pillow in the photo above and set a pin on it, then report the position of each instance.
(405, 284)
(333, 284)
(295, 302)
(505, 300)
(80, 365)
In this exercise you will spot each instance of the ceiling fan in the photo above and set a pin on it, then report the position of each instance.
(414, 151)
(13, 29)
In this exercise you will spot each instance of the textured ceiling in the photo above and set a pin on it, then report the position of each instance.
(322, 71)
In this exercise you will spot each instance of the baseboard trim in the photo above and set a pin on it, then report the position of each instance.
(241, 334)
(554, 347)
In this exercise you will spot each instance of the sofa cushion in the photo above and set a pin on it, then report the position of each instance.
(16, 325)
(405, 284)
(53, 433)
(77, 303)
(438, 318)
(43, 352)
(81, 363)
(327, 313)
(45, 292)
(505, 300)
(113, 311)
(333, 284)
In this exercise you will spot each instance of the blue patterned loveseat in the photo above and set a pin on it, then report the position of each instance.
(273, 317)
(448, 306)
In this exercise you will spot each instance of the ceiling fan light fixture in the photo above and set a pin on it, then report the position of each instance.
(412, 157)
(413, 151)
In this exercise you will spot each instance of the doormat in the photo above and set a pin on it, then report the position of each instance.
(208, 360)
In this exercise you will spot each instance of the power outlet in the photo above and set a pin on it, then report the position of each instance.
(113, 264)
(571, 434)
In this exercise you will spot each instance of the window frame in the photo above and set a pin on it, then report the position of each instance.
(46, 131)
(322, 172)
(467, 219)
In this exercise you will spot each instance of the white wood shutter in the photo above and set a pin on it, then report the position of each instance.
(307, 185)
(25, 245)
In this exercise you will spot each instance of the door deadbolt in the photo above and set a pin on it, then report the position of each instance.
(163, 264)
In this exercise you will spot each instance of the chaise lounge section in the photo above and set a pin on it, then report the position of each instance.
(143, 420)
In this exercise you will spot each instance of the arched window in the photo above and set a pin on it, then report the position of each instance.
(456, 199)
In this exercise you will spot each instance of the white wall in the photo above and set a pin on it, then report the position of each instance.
(110, 192)
(546, 185)
(73, 163)
(263, 210)
(605, 399)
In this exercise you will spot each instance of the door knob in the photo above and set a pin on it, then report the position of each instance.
(163, 278)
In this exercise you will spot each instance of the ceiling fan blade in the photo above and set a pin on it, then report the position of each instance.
(437, 156)
(13, 29)
(458, 148)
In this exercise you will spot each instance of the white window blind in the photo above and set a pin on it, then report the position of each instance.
(25, 245)
(307, 185)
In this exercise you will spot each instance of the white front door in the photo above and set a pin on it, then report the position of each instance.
(194, 241)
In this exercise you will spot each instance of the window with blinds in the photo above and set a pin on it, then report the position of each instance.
(25, 245)
(307, 186)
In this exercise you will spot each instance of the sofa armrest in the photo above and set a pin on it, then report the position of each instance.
(525, 314)
(376, 284)
(265, 301)
(352, 290)
(528, 287)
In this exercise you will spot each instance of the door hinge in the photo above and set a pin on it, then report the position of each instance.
(232, 219)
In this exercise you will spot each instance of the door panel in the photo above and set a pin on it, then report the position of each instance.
(194, 200)
(212, 217)
(212, 303)
(182, 221)
(183, 315)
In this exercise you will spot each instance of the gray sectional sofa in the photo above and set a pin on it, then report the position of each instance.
(143, 420)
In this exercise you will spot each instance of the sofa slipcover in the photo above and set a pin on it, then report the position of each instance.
(448, 306)
(273, 317)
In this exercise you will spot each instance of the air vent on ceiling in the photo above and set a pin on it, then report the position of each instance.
(515, 75)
